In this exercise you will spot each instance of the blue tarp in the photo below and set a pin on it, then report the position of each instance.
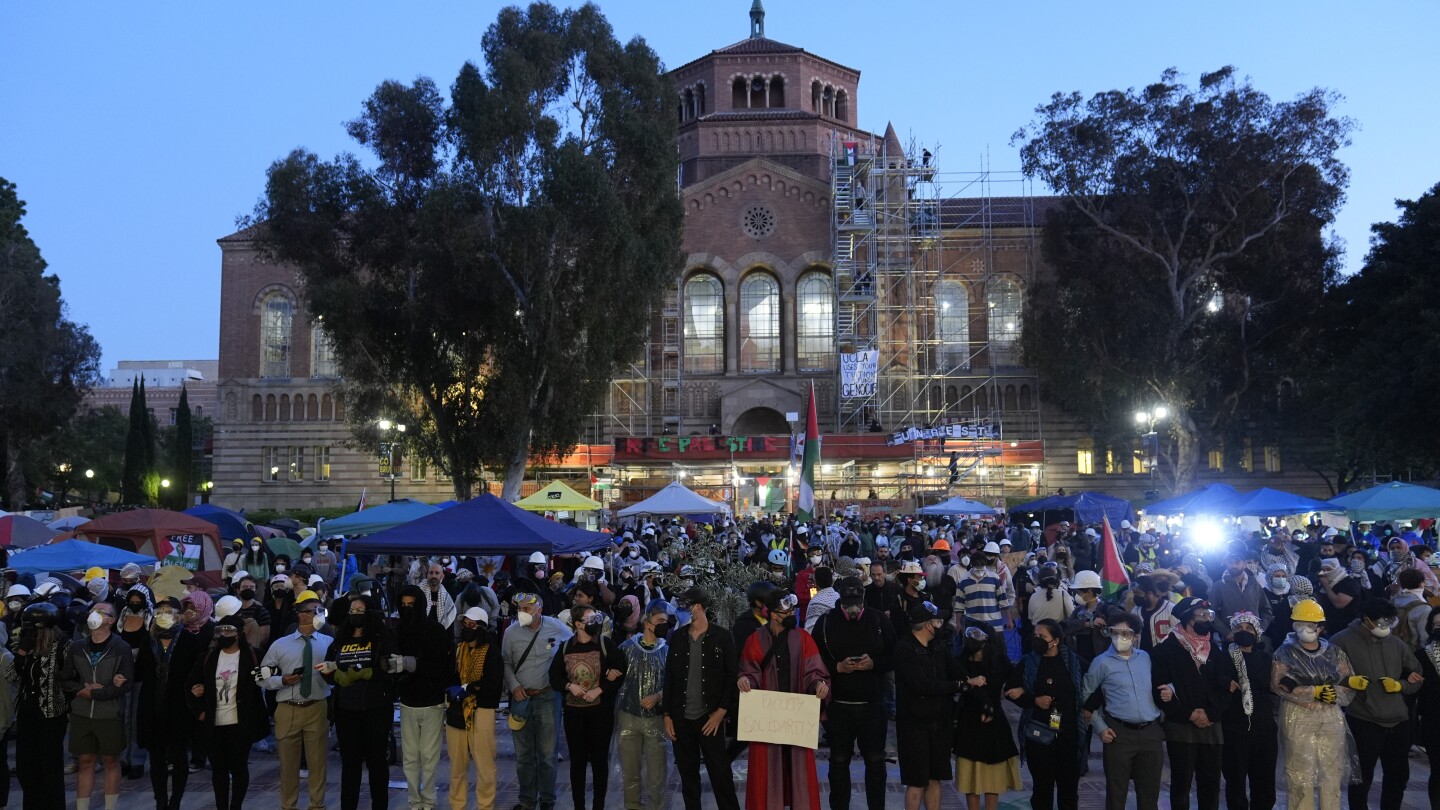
(1214, 500)
(484, 526)
(74, 555)
(1266, 502)
(1088, 507)
(232, 524)
(375, 519)
(1393, 501)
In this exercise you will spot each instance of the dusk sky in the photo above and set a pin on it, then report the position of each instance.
(138, 132)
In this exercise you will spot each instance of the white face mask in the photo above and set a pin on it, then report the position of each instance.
(324, 549)
(255, 549)
(525, 619)
(1380, 632)
(1121, 644)
(280, 569)
(1280, 587)
(165, 621)
(95, 621)
(1309, 635)
(318, 620)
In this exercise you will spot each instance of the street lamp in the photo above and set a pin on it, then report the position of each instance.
(89, 473)
(387, 449)
(165, 483)
(1146, 420)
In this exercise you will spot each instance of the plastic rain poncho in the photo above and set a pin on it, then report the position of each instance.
(1319, 752)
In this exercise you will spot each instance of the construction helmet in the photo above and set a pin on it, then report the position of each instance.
(779, 557)
(940, 545)
(537, 558)
(1087, 580)
(17, 591)
(1307, 610)
(226, 606)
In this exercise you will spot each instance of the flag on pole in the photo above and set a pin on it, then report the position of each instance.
(360, 507)
(805, 507)
(1113, 576)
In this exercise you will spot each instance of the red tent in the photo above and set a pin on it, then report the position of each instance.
(165, 535)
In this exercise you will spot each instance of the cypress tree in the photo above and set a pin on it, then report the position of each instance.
(180, 482)
(151, 494)
(132, 478)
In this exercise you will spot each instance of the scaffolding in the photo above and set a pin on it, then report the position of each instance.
(930, 270)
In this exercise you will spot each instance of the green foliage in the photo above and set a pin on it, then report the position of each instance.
(140, 481)
(470, 281)
(1194, 226)
(307, 517)
(47, 362)
(182, 458)
(93, 440)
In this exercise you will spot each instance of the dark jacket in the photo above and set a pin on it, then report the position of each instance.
(1261, 720)
(164, 679)
(249, 700)
(104, 703)
(721, 671)
(840, 638)
(433, 649)
(361, 683)
(746, 624)
(926, 679)
(486, 691)
(1206, 687)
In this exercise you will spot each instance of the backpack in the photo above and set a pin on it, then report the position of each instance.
(1404, 629)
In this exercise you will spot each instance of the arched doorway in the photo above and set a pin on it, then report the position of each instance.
(761, 422)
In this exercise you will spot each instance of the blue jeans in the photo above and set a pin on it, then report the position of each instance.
(535, 752)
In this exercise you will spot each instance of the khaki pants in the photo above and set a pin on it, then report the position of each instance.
(643, 738)
(422, 728)
(477, 745)
(307, 726)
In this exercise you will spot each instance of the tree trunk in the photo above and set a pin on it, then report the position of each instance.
(15, 490)
(464, 487)
(1187, 453)
(515, 468)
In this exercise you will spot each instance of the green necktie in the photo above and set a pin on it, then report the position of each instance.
(307, 663)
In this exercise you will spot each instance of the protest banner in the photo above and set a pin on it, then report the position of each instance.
(780, 718)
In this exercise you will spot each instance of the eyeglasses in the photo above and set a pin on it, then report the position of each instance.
(1203, 615)
(226, 631)
(358, 612)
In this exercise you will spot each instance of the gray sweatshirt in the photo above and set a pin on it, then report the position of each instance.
(115, 659)
(1375, 658)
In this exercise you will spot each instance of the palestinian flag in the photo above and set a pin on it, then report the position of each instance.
(1113, 576)
(805, 507)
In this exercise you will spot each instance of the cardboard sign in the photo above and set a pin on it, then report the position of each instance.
(780, 718)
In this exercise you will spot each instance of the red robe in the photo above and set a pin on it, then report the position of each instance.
(765, 787)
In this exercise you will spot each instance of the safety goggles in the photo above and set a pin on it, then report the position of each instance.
(1203, 615)
(525, 599)
(788, 603)
(1114, 632)
(227, 631)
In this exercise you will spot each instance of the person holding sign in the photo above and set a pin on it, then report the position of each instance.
(782, 658)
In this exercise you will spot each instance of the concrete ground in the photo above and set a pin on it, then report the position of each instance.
(264, 785)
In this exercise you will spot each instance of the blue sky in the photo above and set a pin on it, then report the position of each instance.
(137, 132)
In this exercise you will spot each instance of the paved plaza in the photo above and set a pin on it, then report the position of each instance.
(265, 785)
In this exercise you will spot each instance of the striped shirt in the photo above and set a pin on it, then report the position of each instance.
(982, 600)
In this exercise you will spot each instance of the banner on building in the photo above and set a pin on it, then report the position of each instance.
(978, 429)
(858, 371)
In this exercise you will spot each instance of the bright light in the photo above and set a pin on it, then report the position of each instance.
(1216, 301)
(680, 474)
(400, 428)
(89, 473)
(164, 482)
(1161, 412)
(1207, 535)
(384, 424)
(827, 468)
(1141, 417)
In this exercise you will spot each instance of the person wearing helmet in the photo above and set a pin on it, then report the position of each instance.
(1085, 628)
(781, 775)
(16, 598)
(1051, 600)
(99, 675)
(754, 618)
(1252, 739)
(980, 597)
(779, 564)
(234, 560)
(857, 646)
(1311, 677)
(42, 710)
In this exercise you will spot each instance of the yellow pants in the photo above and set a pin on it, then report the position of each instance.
(478, 745)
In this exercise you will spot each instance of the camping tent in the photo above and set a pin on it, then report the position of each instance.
(676, 499)
(75, 555)
(19, 531)
(1266, 502)
(160, 534)
(1214, 499)
(958, 506)
(556, 497)
(1393, 501)
(1087, 507)
(375, 519)
(67, 523)
(232, 524)
(483, 526)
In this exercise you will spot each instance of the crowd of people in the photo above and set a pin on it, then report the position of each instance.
(1320, 643)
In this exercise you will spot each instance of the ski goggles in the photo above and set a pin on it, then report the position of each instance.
(788, 603)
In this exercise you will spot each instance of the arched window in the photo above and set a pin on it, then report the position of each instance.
(815, 95)
(828, 102)
(815, 323)
(270, 408)
(339, 407)
(257, 408)
(1012, 402)
(759, 324)
(740, 93)
(327, 408)
(1004, 297)
(777, 91)
(758, 86)
(322, 353)
(952, 397)
(700, 99)
(312, 408)
(277, 314)
(842, 105)
(1027, 400)
(689, 105)
(952, 325)
(284, 407)
(704, 325)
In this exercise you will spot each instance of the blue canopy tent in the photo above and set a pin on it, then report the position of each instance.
(1087, 507)
(485, 526)
(232, 524)
(958, 506)
(1214, 499)
(1393, 501)
(75, 555)
(1266, 502)
(375, 519)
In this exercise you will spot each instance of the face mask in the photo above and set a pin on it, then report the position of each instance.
(633, 554)
(280, 569)
(1380, 632)
(1280, 587)
(137, 607)
(1204, 628)
(227, 642)
(525, 619)
(1245, 638)
(965, 562)
(815, 559)
(1309, 635)
(1357, 565)
(662, 630)
(1122, 645)
(324, 549)
(318, 620)
(95, 621)
(788, 622)
(919, 583)
(306, 559)
(468, 633)
(1039, 646)
(852, 612)
(357, 620)
(165, 621)
(247, 594)
(255, 549)
(409, 613)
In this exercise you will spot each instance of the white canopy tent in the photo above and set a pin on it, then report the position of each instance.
(676, 499)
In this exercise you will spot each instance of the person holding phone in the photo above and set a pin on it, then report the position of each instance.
(857, 646)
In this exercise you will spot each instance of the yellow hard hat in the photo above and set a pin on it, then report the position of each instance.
(1307, 610)
(307, 595)
(94, 573)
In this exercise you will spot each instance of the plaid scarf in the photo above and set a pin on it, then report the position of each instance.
(470, 662)
(1197, 646)
(1247, 698)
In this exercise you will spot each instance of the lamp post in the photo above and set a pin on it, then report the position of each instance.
(392, 433)
(1146, 420)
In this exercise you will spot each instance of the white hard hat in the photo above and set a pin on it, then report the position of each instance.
(594, 563)
(1087, 579)
(650, 567)
(992, 547)
(1091, 533)
(1125, 524)
(478, 614)
(17, 590)
(802, 529)
(315, 579)
(910, 567)
(1034, 524)
(537, 558)
(239, 575)
(46, 588)
(226, 606)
